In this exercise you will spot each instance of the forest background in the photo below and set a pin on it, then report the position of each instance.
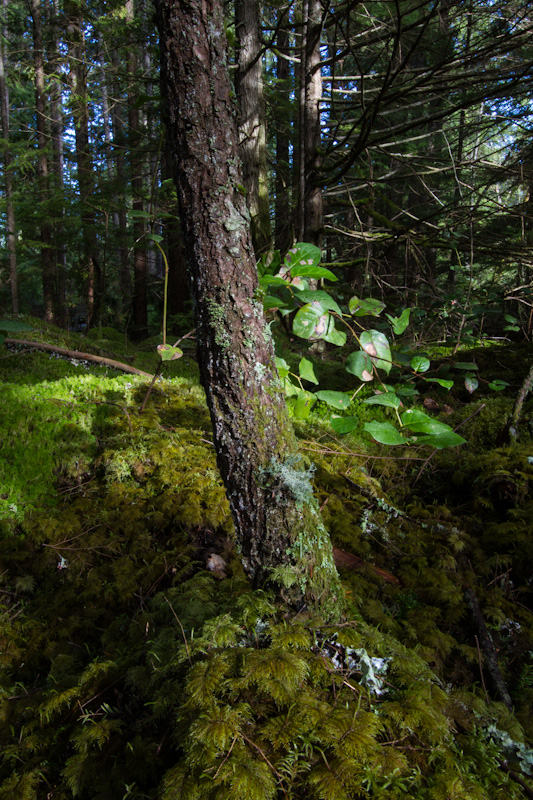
(395, 139)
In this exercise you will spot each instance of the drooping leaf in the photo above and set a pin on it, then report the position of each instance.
(498, 385)
(360, 364)
(419, 422)
(282, 367)
(168, 353)
(441, 440)
(376, 345)
(306, 370)
(270, 302)
(340, 400)
(388, 399)
(343, 425)
(302, 405)
(441, 382)
(365, 308)
(332, 335)
(385, 433)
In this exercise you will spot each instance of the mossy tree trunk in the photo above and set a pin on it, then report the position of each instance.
(277, 522)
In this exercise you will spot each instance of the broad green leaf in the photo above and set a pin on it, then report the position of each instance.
(419, 422)
(154, 237)
(325, 300)
(272, 280)
(465, 365)
(399, 324)
(405, 390)
(365, 308)
(282, 367)
(313, 272)
(332, 335)
(498, 385)
(339, 400)
(306, 319)
(307, 372)
(14, 326)
(471, 383)
(168, 353)
(270, 302)
(402, 358)
(302, 254)
(140, 214)
(420, 363)
(385, 433)
(360, 364)
(441, 382)
(388, 399)
(441, 440)
(344, 424)
(302, 405)
(376, 345)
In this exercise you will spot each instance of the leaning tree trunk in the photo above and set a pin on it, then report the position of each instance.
(278, 527)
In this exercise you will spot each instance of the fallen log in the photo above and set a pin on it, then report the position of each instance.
(63, 351)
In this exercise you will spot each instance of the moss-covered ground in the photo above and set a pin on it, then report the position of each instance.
(128, 669)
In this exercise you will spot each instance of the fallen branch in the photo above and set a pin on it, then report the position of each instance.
(108, 362)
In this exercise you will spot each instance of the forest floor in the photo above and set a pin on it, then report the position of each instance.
(135, 662)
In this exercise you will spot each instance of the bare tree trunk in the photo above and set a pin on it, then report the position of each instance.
(58, 161)
(47, 262)
(80, 101)
(140, 286)
(252, 121)
(279, 532)
(8, 182)
(313, 206)
(283, 236)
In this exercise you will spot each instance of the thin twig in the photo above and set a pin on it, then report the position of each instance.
(167, 601)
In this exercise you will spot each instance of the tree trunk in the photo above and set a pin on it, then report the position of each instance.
(252, 121)
(282, 211)
(47, 262)
(8, 183)
(313, 206)
(278, 528)
(140, 285)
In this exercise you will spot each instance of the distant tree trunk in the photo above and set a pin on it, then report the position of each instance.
(140, 284)
(8, 182)
(178, 280)
(84, 161)
(58, 163)
(313, 205)
(282, 209)
(252, 121)
(47, 253)
(278, 527)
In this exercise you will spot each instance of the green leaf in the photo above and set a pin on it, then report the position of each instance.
(332, 335)
(307, 372)
(471, 383)
(306, 319)
(388, 399)
(420, 363)
(399, 324)
(313, 272)
(441, 440)
(154, 237)
(140, 214)
(385, 433)
(405, 390)
(339, 400)
(301, 407)
(302, 254)
(282, 367)
(465, 365)
(169, 353)
(498, 385)
(343, 425)
(365, 308)
(360, 364)
(376, 345)
(14, 326)
(272, 280)
(270, 302)
(319, 295)
(441, 382)
(419, 422)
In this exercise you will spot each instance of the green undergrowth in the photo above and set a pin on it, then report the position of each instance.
(129, 670)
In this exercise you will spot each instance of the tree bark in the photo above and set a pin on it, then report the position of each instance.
(8, 182)
(252, 121)
(47, 263)
(278, 528)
